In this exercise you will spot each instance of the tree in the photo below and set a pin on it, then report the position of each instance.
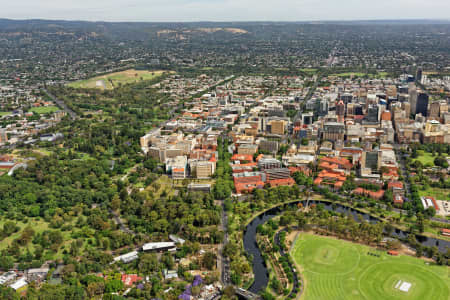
(209, 260)
(6, 262)
(230, 249)
(95, 288)
(393, 245)
(420, 223)
(419, 250)
(434, 251)
(441, 162)
(8, 293)
(38, 251)
(229, 291)
(276, 285)
(115, 203)
(389, 228)
(195, 290)
(113, 286)
(148, 263)
(430, 212)
(9, 228)
(26, 236)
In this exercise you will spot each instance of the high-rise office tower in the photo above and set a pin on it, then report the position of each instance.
(372, 113)
(422, 104)
(434, 109)
(412, 91)
(340, 110)
(419, 74)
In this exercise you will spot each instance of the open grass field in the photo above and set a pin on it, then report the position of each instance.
(426, 158)
(360, 74)
(39, 226)
(162, 185)
(437, 193)
(348, 74)
(309, 70)
(336, 269)
(4, 113)
(44, 109)
(112, 80)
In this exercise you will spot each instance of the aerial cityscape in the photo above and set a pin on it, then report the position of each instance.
(217, 159)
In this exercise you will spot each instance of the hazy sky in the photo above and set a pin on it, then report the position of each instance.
(224, 10)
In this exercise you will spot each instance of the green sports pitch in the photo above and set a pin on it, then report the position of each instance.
(335, 269)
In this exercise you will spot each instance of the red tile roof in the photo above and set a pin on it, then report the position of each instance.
(130, 279)
(242, 157)
(341, 162)
(243, 187)
(375, 195)
(280, 182)
(391, 174)
(338, 184)
(302, 169)
(395, 184)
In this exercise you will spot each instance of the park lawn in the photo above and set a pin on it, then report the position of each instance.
(382, 74)
(425, 157)
(36, 153)
(139, 185)
(360, 74)
(436, 193)
(337, 269)
(348, 74)
(85, 156)
(38, 225)
(308, 70)
(180, 182)
(4, 113)
(44, 109)
(161, 185)
(112, 80)
(43, 151)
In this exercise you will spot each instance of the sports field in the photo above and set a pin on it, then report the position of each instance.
(44, 109)
(113, 80)
(335, 269)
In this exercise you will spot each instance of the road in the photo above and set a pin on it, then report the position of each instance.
(62, 105)
(402, 166)
(314, 87)
(122, 226)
